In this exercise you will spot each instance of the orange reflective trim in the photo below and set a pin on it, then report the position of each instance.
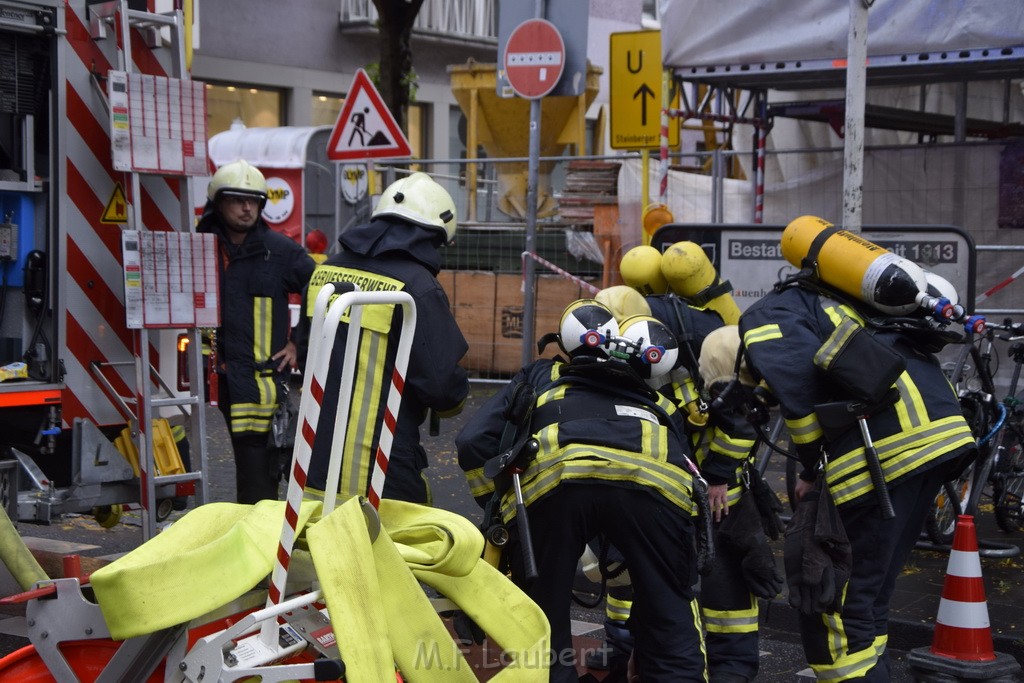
(29, 398)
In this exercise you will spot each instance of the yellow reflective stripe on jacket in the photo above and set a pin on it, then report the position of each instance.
(251, 417)
(616, 609)
(848, 477)
(837, 311)
(479, 485)
(364, 413)
(911, 408)
(826, 354)
(731, 621)
(376, 318)
(805, 429)
(262, 309)
(733, 447)
(762, 333)
(685, 392)
(551, 468)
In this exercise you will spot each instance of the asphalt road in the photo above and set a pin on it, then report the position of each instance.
(781, 654)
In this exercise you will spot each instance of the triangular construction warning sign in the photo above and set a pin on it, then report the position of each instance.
(116, 210)
(365, 128)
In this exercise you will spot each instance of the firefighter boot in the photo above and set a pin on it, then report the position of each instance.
(613, 655)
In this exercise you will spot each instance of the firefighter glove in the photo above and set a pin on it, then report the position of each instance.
(799, 536)
(743, 532)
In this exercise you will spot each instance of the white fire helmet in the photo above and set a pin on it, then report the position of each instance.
(420, 199)
(585, 327)
(238, 178)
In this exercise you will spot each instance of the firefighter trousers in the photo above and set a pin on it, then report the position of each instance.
(850, 645)
(657, 541)
(730, 615)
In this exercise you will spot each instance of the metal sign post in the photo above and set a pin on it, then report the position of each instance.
(534, 61)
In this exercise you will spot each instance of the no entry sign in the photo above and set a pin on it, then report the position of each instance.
(534, 58)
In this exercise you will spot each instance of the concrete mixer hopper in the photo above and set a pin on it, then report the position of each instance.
(502, 127)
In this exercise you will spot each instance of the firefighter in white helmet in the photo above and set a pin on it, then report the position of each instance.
(611, 460)
(722, 442)
(255, 349)
(397, 250)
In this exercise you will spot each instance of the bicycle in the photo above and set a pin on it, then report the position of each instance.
(997, 427)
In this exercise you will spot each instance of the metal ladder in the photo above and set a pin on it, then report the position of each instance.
(114, 21)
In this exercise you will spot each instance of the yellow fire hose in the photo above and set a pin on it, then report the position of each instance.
(380, 615)
(16, 556)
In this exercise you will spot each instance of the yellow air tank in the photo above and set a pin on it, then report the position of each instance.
(857, 267)
(689, 274)
(641, 269)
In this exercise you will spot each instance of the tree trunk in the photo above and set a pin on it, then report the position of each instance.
(396, 20)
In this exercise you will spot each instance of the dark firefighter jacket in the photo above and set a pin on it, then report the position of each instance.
(388, 254)
(723, 443)
(256, 278)
(925, 427)
(587, 432)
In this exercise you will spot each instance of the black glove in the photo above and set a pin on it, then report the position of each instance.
(830, 536)
(768, 504)
(760, 573)
(799, 531)
(817, 555)
(742, 531)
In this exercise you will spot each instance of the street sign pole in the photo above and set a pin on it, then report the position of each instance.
(529, 270)
(534, 61)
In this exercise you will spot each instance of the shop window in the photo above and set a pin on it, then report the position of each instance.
(255, 107)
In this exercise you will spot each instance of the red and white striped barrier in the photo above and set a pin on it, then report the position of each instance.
(564, 273)
(992, 290)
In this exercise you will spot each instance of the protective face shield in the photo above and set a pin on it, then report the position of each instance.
(655, 349)
(239, 178)
(585, 328)
(418, 198)
(641, 269)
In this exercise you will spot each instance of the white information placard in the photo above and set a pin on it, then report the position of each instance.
(157, 124)
(170, 279)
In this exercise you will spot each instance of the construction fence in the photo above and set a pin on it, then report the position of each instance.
(592, 215)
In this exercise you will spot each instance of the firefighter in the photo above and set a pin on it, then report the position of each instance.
(610, 459)
(816, 348)
(255, 347)
(744, 568)
(397, 250)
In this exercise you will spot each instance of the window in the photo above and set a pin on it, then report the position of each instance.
(326, 107)
(254, 107)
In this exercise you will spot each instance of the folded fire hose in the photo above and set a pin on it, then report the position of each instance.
(380, 615)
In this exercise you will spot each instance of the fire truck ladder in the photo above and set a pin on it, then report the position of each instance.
(114, 21)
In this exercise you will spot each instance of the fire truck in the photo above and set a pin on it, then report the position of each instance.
(101, 134)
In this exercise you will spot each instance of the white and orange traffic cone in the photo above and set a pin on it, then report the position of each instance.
(962, 642)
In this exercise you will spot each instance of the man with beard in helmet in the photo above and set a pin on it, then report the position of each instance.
(254, 346)
(594, 449)
(396, 251)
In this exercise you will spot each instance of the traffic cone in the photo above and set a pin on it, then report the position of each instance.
(962, 641)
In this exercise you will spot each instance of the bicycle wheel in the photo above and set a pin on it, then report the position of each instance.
(1009, 505)
(940, 523)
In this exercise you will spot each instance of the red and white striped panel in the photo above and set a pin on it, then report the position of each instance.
(90, 251)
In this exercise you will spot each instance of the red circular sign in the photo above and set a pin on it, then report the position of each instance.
(534, 58)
